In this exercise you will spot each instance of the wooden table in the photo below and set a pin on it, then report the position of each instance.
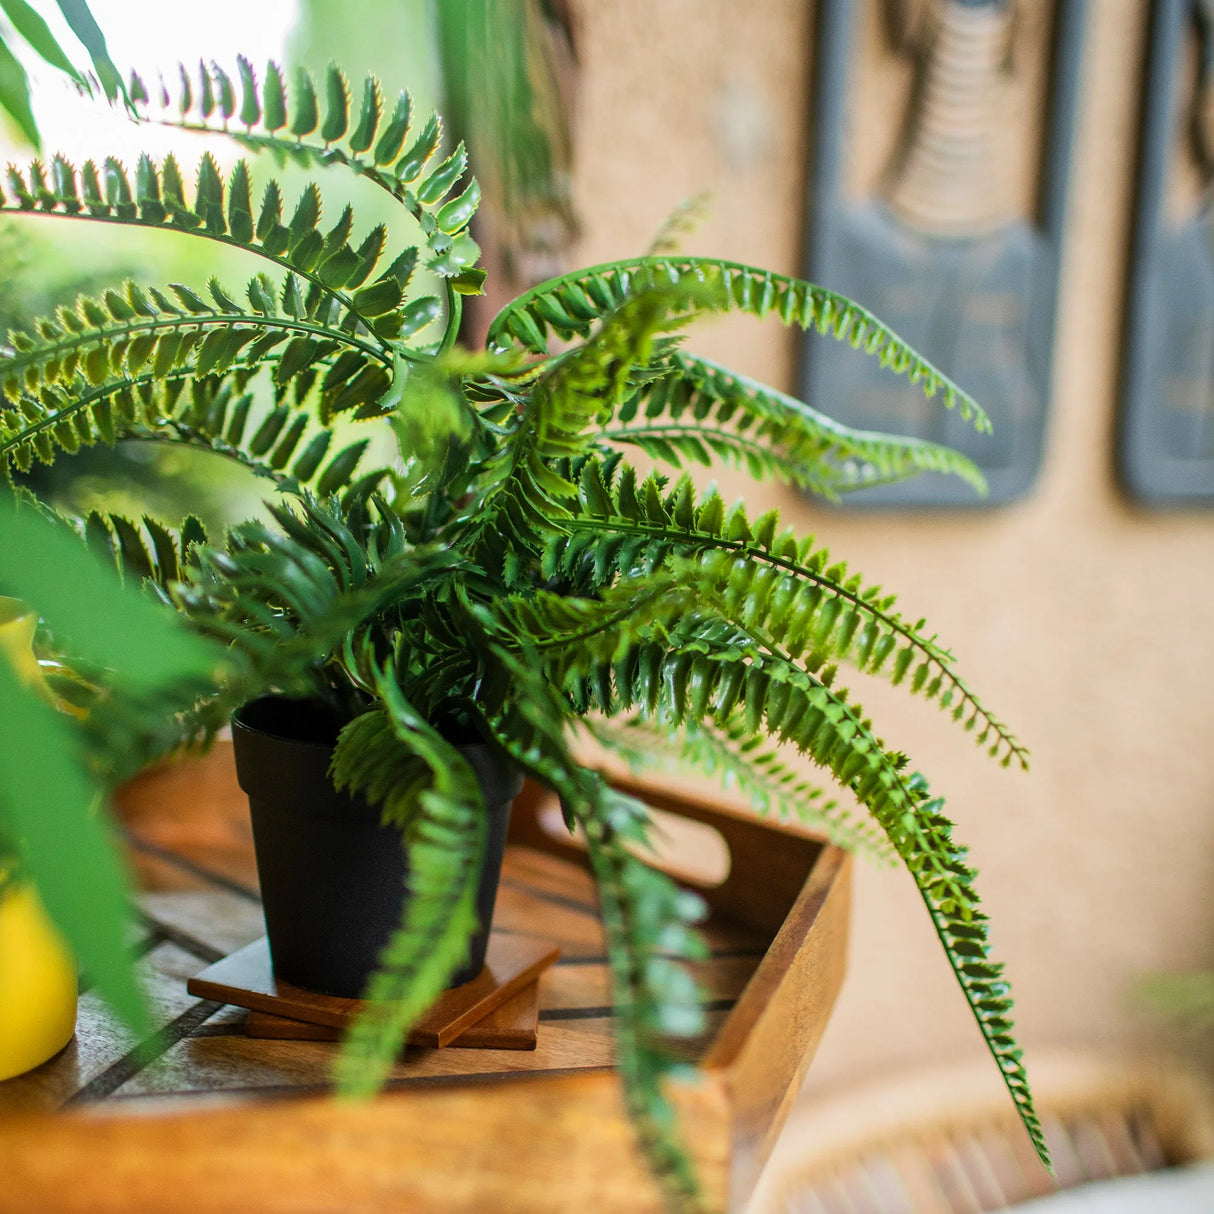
(200, 1116)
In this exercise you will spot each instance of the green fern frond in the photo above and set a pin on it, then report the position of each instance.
(699, 409)
(817, 611)
(318, 128)
(740, 684)
(214, 413)
(770, 692)
(158, 198)
(568, 307)
(741, 763)
(966, 942)
(126, 332)
(817, 618)
(644, 911)
(527, 498)
(444, 846)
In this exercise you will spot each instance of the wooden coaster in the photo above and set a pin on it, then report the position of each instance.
(513, 1026)
(247, 979)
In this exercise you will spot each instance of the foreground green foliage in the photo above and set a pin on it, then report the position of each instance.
(29, 29)
(509, 572)
(142, 663)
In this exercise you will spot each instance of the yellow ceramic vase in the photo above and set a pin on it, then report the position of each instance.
(37, 972)
(37, 984)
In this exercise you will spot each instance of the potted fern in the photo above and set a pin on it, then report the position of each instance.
(493, 572)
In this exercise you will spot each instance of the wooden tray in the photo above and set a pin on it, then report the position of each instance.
(203, 1115)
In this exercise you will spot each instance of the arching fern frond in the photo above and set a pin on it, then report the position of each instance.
(730, 681)
(698, 409)
(318, 127)
(644, 911)
(158, 198)
(178, 366)
(134, 329)
(568, 307)
(761, 575)
(213, 414)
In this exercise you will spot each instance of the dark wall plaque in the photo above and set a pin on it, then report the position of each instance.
(938, 247)
(1167, 430)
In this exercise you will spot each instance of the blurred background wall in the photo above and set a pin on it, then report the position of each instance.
(1084, 619)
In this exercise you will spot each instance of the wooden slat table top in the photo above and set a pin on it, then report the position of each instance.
(776, 940)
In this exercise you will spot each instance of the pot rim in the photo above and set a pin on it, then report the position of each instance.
(239, 723)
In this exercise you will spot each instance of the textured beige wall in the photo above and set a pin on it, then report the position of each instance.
(1083, 619)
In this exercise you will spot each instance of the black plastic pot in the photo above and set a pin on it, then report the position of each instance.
(332, 876)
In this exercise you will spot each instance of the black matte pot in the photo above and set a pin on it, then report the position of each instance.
(332, 876)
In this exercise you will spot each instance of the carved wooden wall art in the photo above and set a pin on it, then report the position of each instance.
(1167, 431)
(942, 135)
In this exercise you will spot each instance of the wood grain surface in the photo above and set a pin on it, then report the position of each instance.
(512, 1026)
(137, 1125)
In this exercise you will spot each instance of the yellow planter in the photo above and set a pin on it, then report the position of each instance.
(37, 984)
(37, 972)
(17, 627)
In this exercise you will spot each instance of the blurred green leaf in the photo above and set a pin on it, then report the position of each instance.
(15, 95)
(107, 623)
(49, 806)
(35, 31)
(85, 27)
(433, 424)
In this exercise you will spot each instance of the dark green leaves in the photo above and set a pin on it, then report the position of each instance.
(382, 296)
(582, 297)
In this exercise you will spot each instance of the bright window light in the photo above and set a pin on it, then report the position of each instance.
(151, 37)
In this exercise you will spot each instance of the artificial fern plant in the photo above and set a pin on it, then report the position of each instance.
(494, 562)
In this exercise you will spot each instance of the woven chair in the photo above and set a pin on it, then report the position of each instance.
(945, 1142)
